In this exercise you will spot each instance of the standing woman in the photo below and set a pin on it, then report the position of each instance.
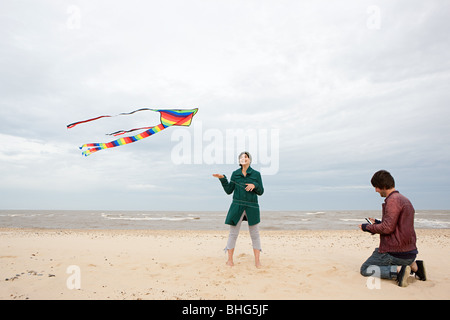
(247, 186)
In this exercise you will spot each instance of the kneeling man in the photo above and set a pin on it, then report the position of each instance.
(395, 257)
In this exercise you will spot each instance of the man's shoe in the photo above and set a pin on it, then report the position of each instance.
(421, 273)
(402, 276)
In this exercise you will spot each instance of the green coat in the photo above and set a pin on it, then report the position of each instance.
(243, 200)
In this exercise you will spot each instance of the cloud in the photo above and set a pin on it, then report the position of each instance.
(347, 99)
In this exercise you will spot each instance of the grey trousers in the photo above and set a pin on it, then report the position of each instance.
(234, 233)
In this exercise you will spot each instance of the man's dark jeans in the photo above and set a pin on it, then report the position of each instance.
(383, 265)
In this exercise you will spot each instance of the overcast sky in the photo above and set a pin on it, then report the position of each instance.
(324, 93)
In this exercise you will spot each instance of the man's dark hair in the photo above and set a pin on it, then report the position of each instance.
(383, 180)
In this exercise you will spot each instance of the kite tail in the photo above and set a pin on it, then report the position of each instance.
(168, 118)
(94, 147)
(108, 116)
(121, 132)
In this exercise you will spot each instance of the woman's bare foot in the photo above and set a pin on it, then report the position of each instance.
(257, 253)
(230, 257)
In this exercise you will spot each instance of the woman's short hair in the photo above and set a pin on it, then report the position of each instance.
(248, 155)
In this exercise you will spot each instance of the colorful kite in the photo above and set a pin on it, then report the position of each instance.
(168, 118)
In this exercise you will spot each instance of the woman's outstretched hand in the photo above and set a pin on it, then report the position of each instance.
(220, 176)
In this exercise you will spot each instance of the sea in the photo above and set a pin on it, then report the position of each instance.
(204, 220)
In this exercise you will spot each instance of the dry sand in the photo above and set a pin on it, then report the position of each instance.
(137, 264)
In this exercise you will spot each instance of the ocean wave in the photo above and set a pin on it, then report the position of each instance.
(26, 215)
(432, 223)
(146, 218)
(353, 220)
(202, 220)
(419, 222)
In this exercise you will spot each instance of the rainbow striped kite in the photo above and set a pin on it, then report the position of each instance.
(168, 118)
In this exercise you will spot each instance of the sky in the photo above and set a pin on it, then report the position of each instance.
(322, 93)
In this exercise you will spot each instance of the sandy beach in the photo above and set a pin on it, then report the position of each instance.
(174, 265)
